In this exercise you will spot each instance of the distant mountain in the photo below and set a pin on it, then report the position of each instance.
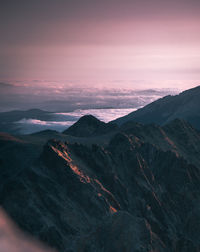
(8, 119)
(16, 115)
(133, 188)
(88, 126)
(185, 106)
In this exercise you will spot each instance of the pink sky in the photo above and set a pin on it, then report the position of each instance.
(150, 41)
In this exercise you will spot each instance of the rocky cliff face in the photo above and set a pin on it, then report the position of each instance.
(140, 192)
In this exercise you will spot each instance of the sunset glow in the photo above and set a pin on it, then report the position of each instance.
(101, 40)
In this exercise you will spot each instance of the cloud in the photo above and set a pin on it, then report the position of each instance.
(44, 123)
(71, 96)
(28, 126)
(104, 115)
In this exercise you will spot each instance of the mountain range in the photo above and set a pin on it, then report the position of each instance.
(121, 186)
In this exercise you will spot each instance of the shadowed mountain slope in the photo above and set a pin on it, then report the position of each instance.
(177, 136)
(184, 106)
(140, 192)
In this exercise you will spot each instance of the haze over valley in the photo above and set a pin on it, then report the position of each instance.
(66, 104)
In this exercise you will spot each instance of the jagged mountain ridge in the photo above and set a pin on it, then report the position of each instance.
(177, 136)
(183, 106)
(138, 187)
(174, 136)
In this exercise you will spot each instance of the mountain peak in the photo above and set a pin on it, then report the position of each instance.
(89, 119)
(88, 126)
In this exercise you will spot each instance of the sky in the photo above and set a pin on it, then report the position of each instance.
(139, 43)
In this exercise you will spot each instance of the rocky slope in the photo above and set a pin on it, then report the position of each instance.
(177, 136)
(137, 192)
(183, 106)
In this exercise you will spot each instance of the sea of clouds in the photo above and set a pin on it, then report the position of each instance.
(61, 121)
(69, 101)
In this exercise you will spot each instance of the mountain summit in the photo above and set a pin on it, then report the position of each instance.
(88, 126)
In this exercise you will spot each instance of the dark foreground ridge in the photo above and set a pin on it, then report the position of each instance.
(183, 106)
(134, 189)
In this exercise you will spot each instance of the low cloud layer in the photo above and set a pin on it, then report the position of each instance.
(67, 97)
(64, 120)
